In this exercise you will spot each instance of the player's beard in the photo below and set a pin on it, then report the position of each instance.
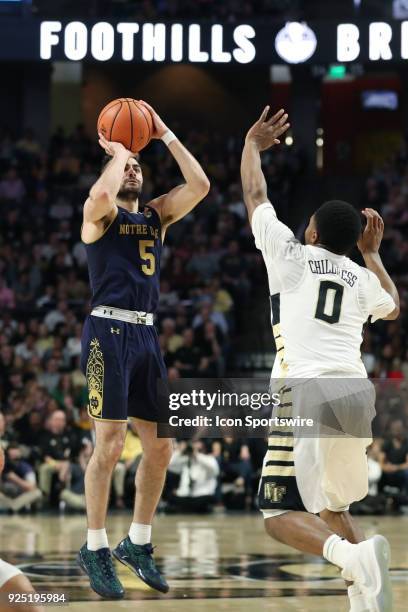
(129, 194)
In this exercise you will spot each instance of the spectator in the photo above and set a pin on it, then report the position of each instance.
(222, 300)
(66, 167)
(73, 345)
(233, 266)
(27, 349)
(74, 493)
(6, 436)
(28, 146)
(50, 377)
(188, 358)
(211, 350)
(237, 474)
(44, 340)
(198, 479)
(168, 299)
(18, 486)
(206, 314)
(59, 315)
(12, 187)
(29, 429)
(203, 263)
(172, 340)
(56, 448)
(7, 297)
(394, 458)
(47, 299)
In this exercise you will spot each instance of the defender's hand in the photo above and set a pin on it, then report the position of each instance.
(112, 148)
(264, 134)
(373, 232)
(159, 127)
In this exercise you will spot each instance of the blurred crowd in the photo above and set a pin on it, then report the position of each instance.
(210, 271)
(385, 347)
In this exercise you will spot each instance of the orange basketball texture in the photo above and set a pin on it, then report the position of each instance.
(125, 120)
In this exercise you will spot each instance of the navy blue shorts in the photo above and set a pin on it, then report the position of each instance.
(122, 363)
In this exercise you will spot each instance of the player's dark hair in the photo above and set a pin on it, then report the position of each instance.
(338, 225)
(107, 158)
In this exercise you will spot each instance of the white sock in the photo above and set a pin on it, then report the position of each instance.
(140, 534)
(337, 550)
(97, 538)
(357, 601)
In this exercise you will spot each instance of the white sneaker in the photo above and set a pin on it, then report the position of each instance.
(368, 566)
(356, 599)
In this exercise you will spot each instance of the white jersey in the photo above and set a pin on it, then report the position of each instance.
(319, 300)
(7, 572)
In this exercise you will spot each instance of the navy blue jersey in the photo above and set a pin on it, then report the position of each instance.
(124, 264)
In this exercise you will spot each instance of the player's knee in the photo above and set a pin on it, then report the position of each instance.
(110, 451)
(272, 526)
(159, 451)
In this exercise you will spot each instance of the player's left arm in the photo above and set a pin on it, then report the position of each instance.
(182, 199)
(261, 136)
(271, 235)
(369, 246)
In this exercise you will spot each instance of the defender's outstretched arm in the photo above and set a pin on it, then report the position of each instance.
(262, 135)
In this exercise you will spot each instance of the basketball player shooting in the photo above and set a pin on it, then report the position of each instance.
(121, 356)
(317, 337)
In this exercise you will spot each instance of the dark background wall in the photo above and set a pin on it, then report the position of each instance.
(221, 98)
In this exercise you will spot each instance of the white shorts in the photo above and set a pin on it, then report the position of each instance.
(7, 571)
(311, 474)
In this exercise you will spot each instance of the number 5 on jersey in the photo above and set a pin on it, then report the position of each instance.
(149, 266)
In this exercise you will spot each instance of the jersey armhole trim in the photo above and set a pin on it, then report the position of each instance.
(104, 231)
(302, 278)
(161, 228)
(363, 313)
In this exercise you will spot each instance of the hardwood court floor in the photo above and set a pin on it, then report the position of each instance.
(220, 562)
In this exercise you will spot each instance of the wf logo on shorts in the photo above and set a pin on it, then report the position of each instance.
(274, 492)
(115, 330)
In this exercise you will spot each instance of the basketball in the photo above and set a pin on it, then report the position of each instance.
(126, 121)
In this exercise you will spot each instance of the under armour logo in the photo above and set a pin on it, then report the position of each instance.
(273, 492)
(115, 330)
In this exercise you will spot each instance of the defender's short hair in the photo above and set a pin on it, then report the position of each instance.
(338, 225)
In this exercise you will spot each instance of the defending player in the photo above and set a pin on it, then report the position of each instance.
(120, 352)
(320, 301)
